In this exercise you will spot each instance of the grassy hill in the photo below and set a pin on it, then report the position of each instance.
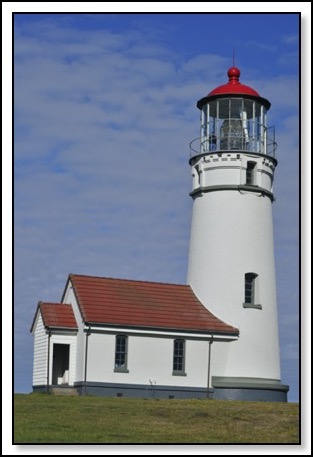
(42, 418)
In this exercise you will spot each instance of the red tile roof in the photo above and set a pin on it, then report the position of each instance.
(144, 304)
(57, 315)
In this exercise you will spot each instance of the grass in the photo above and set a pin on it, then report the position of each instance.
(48, 419)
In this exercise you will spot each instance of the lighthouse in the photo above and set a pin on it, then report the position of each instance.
(231, 267)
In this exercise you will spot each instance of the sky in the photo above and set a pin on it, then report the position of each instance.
(104, 111)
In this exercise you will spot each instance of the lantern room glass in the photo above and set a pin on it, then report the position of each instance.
(229, 124)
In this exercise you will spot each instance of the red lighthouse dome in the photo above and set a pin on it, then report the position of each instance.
(233, 88)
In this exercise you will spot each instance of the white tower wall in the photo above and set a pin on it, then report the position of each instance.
(231, 235)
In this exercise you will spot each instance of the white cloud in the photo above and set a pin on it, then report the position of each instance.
(289, 58)
(282, 91)
(255, 44)
(291, 38)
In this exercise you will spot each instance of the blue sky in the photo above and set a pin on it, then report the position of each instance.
(104, 110)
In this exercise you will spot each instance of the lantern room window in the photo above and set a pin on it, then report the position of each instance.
(233, 117)
(234, 123)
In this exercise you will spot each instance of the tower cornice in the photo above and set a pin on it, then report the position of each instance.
(221, 153)
(239, 187)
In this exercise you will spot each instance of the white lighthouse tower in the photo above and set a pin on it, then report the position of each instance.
(231, 261)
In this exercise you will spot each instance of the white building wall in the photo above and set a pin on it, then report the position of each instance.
(149, 358)
(69, 298)
(231, 235)
(40, 353)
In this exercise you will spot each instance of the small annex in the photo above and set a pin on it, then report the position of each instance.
(118, 337)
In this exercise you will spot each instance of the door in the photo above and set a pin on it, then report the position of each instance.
(60, 368)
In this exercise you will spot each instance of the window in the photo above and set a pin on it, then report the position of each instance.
(250, 173)
(121, 344)
(249, 287)
(197, 175)
(179, 358)
(251, 291)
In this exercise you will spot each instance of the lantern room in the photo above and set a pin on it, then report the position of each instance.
(233, 118)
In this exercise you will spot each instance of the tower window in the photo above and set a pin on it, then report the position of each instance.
(121, 347)
(179, 358)
(197, 170)
(249, 287)
(250, 174)
(251, 282)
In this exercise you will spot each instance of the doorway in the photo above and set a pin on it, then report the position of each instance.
(60, 368)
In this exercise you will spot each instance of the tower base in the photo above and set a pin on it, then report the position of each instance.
(248, 389)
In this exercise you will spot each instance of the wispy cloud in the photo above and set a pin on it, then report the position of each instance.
(261, 46)
(290, 38)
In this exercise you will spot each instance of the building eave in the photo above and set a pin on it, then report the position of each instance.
(72, 283)
(35, 318)
(67, 329)
(113, 328)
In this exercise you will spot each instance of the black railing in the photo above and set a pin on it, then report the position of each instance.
(233, 142)
(235, 135)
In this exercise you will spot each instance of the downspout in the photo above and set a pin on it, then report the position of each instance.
(86, 359)
(48, 362)
(209, 366)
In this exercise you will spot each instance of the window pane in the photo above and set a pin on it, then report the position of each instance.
(236, 108)
(178, 364)
(213, 110)
(224, 109)
(248, 108)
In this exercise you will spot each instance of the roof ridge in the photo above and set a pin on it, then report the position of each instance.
(130, 280)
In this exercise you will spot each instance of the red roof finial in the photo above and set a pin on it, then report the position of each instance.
(233, 74)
